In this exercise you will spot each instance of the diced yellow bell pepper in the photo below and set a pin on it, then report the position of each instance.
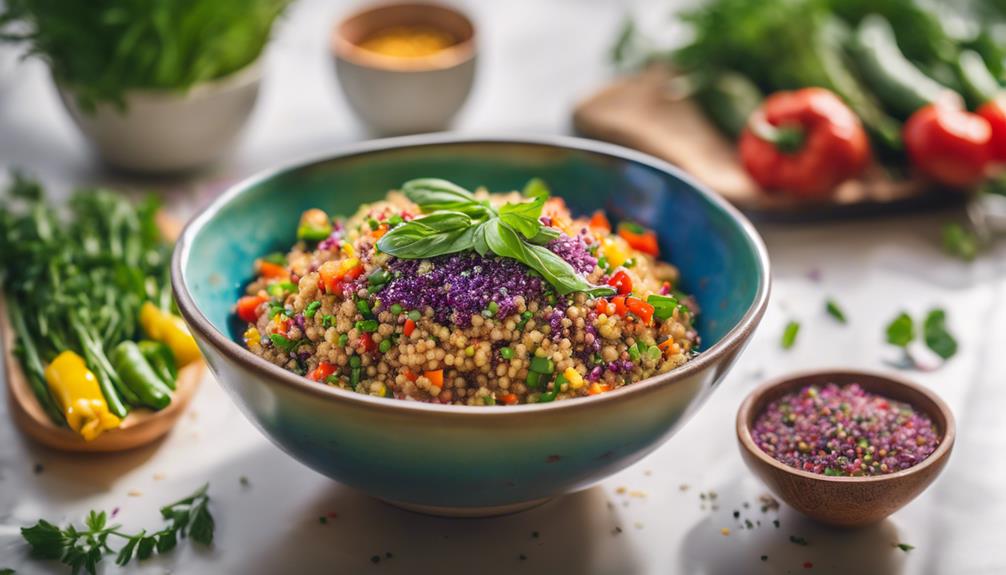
(573, 377)
(614, 250)
(79, 396)
(253, 339)
(169, 329)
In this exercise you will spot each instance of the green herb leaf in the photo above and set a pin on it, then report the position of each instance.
(126, 553)
(960, 242)
(523, 216)
(936, 336)
(904, 547)
(7, 571)
(506, 242)
(901, 330)
(46, 540)
(663, 305)
(284, 343)
(545, 235)
(433, 194)
(789, 334)
(536, 188)
(831, 306)
(434, 235)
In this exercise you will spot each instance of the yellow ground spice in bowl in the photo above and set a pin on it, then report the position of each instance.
(408, 41)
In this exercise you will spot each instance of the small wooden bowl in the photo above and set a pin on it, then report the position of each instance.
(846, 501)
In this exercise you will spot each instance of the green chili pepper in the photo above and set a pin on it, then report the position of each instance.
(137, 374)
(379, 277)
(384, 346)
(542, 365)
(367, 325)
(556, 388)
(533, 380)
(161, 359)
(343, 339)
(312, 308)
(363, 307)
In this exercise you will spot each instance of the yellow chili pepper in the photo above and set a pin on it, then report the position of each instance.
(79, 396)
(169, 329)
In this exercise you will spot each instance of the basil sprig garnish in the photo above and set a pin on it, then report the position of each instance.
(457, 221)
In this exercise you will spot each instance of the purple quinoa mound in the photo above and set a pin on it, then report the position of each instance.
(461, 285)
(844, 431)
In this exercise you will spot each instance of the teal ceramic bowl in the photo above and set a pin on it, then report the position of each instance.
(459, 460)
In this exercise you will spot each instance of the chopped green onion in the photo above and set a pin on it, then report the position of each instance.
(354, 361)
(634, 353)
(489, 400)
(374, 224)
(312, 308)
(542, 365)
(379, 277)
(279, 289)
(384, 346)
(363, 307)
(327, 320)
(789, 334)
(414, 315)
(395, 220)
(396, 309)
(506, 353)
(533, 380)
(343, 339)
(367, 325)
(834, 311)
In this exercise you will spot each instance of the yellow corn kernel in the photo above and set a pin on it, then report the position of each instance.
(169, 329)
(77, 391)
(573, 377)
(614, 250)
(253, 339)
(348, 249)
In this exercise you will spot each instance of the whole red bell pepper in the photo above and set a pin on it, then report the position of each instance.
(949, 144)
(804, 142)
(994, 112)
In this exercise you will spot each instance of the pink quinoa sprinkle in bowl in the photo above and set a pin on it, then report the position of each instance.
(846, 448)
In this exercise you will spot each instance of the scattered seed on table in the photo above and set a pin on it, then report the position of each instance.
(725, 531)
(798, 540)
(764, 557)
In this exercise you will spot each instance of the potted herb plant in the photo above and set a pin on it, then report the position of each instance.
(162, 86)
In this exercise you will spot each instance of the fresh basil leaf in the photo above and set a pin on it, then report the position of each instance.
(507, 243)
(479, 240)
(901, 330)
(545, 235)
(536, 188)
(433, 194)
(523, 216)
(937, 337)
(434, 235)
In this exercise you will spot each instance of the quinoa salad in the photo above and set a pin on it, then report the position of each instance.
(442, 295)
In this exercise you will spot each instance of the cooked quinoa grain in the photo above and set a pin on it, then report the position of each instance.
(465, 328)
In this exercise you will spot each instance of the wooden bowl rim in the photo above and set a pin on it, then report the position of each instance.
(449, 57)
(939, 411)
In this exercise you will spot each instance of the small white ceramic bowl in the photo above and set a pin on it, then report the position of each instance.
(394, 95)
(164, 131)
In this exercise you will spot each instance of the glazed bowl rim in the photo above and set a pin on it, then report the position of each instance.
(730, 342)
(746, 415)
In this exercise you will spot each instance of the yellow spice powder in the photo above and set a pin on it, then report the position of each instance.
(408, 41)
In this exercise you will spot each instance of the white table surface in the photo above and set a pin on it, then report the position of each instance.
(538, 58)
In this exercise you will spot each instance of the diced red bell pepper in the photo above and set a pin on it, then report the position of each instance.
(367, 343)
(271, 270)
(640, 239)
(509, 399)
(409, 375)
(321, 372)
(620, 308)
(247, 307)
(640, 308)
(600, 221)
(436, 377)
(622, 282)
(410, 326)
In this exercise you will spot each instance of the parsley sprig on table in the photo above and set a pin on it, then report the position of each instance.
(458, 221)
(85, 548)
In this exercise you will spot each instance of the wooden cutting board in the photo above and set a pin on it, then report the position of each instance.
(140, 427)
(639, 111)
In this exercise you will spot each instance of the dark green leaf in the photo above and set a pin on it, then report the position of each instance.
(789, 334)
(95, 521)
(936, 335)
(904, 547)
(834, 311)
(126, 553)
(507, 243)
(545, 235)
(46, 540)
(536, 188)
(166, 541)
(901, 330)
(283, 343)
(146, 547)
(203, 525)
(7, 571)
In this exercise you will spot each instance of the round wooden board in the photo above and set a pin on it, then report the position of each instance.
(140, 427)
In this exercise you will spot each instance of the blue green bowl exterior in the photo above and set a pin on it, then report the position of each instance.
(455, 456)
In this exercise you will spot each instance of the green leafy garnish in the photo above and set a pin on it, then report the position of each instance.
(831, 306)
(936, 336)
(901, 330)
(284, 343)
(663, 305)
(7, 571)
(85, 548)
(536, 188)
(960, 242)
(904, 547)
(103, 48)
(789, 334)
(457, 221)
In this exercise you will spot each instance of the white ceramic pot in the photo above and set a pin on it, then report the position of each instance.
(163, 131)
(395, 95)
